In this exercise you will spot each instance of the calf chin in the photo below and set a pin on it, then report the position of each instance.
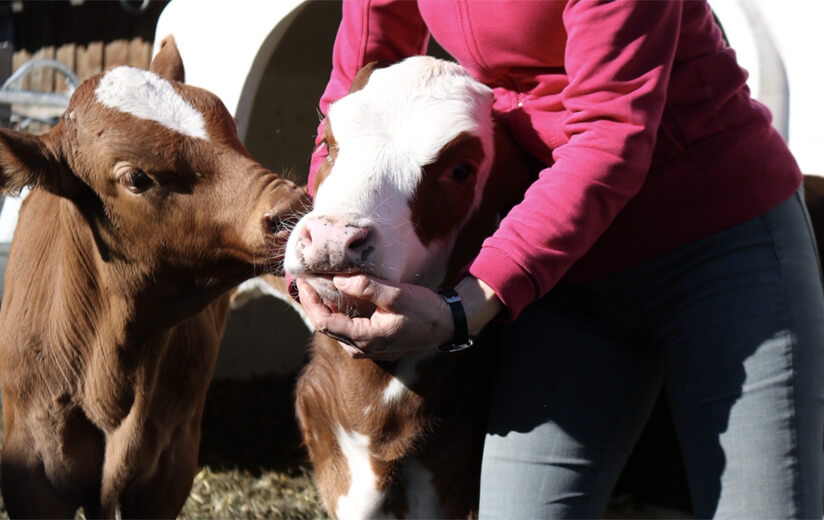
(336, 301)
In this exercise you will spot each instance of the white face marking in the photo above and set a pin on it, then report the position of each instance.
(146, 95)
(386, 133)
(363, 499)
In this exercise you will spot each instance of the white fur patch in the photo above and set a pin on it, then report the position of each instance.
(394, 390)
(363, 499)
(146, 95)
(406, 373)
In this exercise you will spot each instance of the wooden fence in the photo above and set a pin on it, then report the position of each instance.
(84, 60)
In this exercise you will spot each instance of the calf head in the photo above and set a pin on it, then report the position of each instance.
(155, 171)
(410, 156)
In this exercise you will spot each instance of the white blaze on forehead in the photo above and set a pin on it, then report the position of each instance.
(146, 95)
(397, 124)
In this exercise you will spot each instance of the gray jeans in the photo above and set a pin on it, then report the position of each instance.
(732, 326)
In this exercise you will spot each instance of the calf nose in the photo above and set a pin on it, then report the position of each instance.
(333, 245)
(284, 214)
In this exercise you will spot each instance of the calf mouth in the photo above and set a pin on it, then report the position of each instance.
(335, 300)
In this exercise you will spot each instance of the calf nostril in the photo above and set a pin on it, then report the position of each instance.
(359, 245)
(366, 252)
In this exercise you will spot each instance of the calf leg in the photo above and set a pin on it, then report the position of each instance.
(51, 473)
(146, 476)
(163, 494)
(27, 490)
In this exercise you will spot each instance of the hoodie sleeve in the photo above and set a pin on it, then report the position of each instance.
(618, 59)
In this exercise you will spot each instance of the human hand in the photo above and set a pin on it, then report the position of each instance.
(408, 318)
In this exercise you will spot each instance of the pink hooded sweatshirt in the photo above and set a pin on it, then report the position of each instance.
(638, 109)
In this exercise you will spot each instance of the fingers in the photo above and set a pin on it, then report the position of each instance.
(347, 344)
(363, 337)
(325, 321)
(382, 293)
(361, 332)
(311, 302)
(401, 324)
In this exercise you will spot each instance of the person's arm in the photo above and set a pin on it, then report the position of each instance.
(385, 31)
(618, 57)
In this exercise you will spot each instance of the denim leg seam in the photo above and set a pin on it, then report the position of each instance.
(810, 229)
(792, 396)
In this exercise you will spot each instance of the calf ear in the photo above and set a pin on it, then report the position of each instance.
(168, 63)
(362, 77)
(27, 160)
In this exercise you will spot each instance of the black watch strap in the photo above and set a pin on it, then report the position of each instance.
(461, 339)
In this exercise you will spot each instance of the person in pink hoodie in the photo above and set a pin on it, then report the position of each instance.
(665, 245)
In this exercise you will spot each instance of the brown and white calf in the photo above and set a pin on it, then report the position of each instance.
(145, 210)
(417, 176)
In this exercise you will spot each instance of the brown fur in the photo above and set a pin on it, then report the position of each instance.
(360, 80)
(440, 203)
(168, 63)
(115, 302)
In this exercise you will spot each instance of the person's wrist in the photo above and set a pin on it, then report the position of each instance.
(460, 333)
(480, 303)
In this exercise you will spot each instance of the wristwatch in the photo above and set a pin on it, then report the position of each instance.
(461, 340)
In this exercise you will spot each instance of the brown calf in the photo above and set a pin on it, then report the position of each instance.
(417, 176)
(145, 210)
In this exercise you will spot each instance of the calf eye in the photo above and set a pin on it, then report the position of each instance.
(136, 181)
(461, 172)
